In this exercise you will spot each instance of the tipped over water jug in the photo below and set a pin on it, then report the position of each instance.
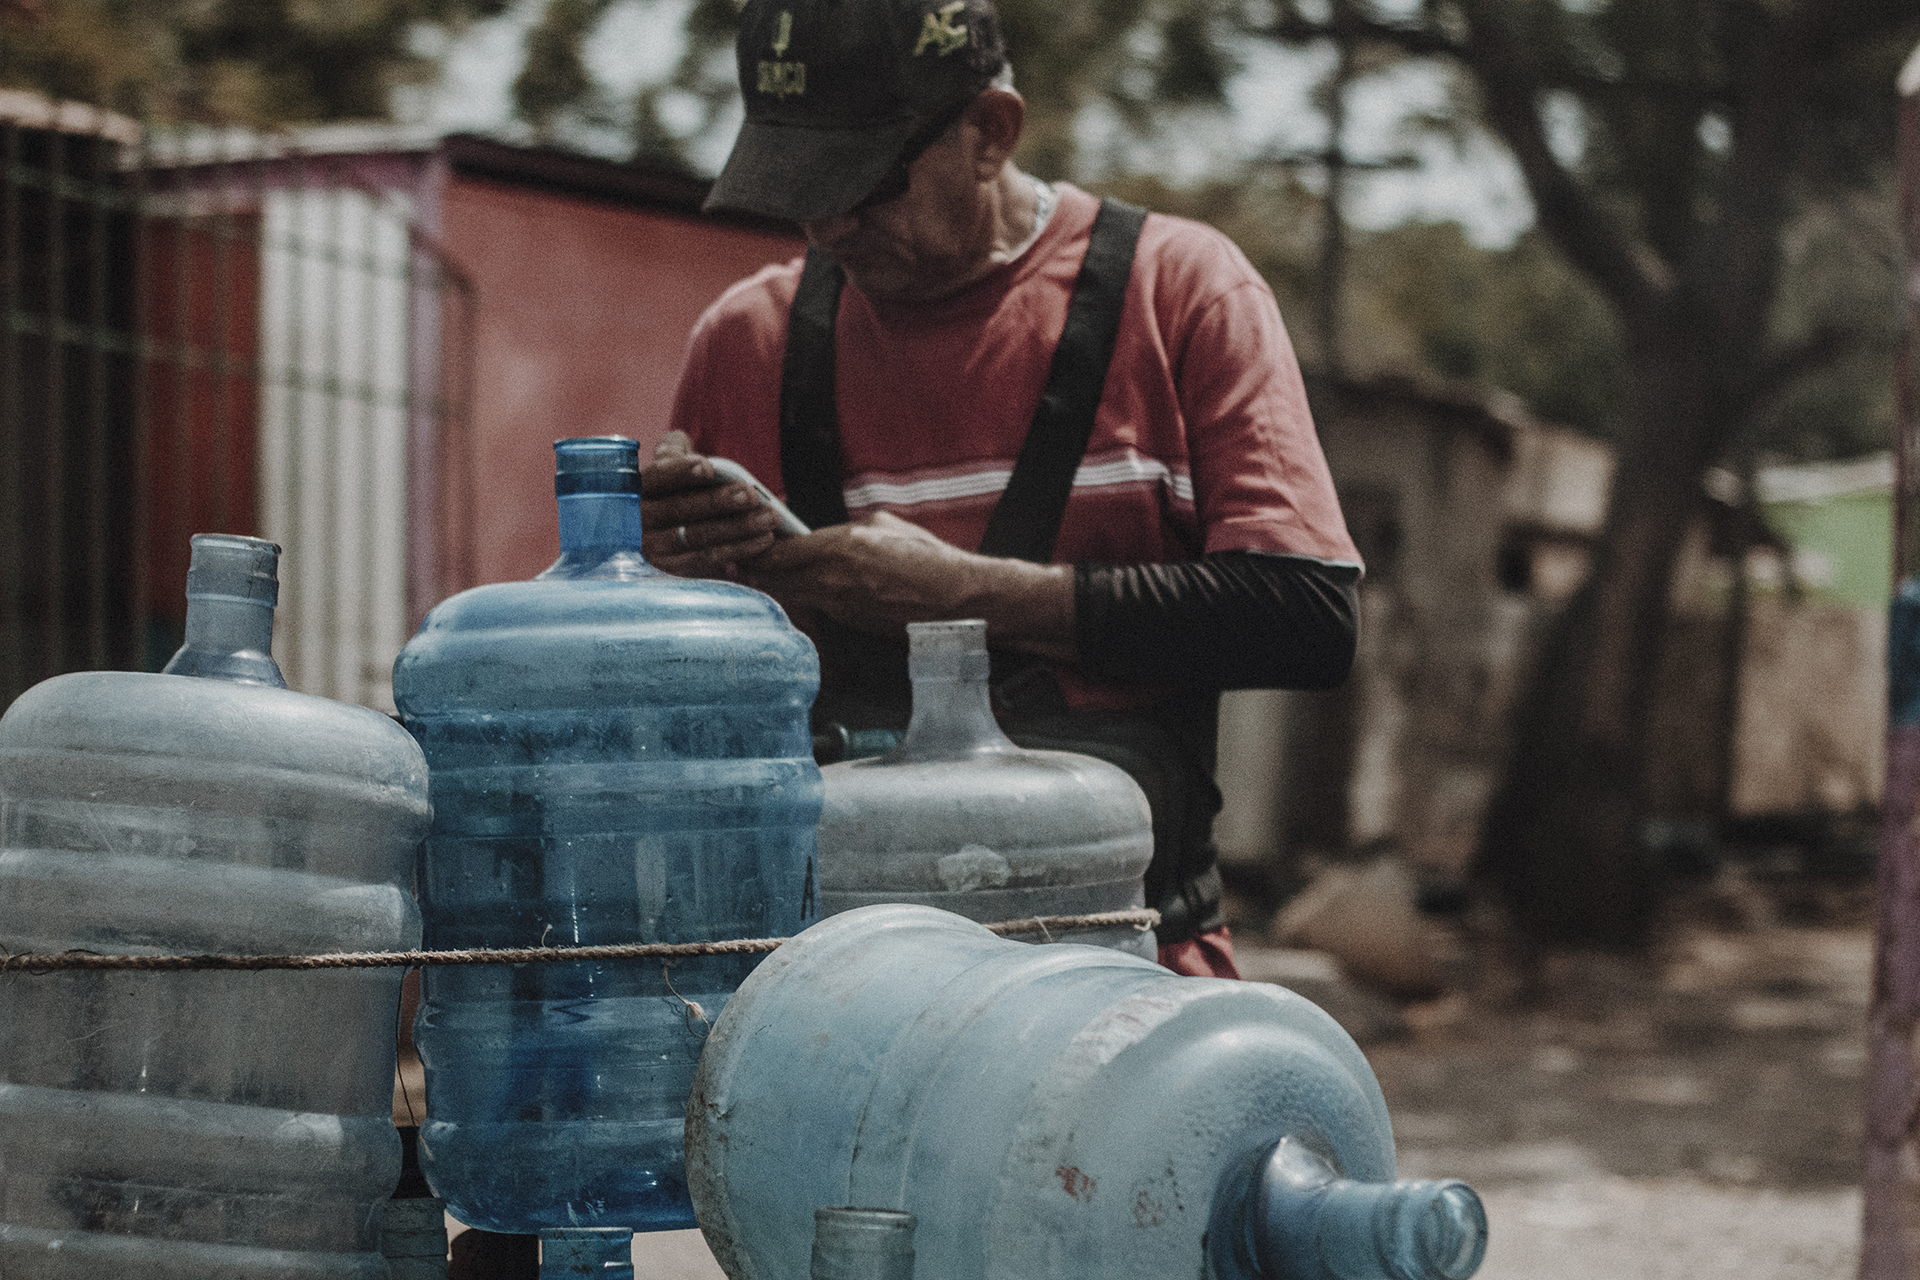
(958, 817)
(202, 1125)
(1050, 1113)
(616, 756)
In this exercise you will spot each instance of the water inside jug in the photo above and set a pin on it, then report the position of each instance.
(616, 756)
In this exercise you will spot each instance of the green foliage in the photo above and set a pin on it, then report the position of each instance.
(1519, 319)
(1686, 158)
(251, 61)
(1840, 303)
(554, 78)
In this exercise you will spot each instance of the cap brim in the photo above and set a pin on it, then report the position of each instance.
(805, 173)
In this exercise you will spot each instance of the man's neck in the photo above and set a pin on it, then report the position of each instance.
(1008, 210)
(1015, 200)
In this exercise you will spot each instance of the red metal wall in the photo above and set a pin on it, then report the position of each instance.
(582, 310)
(203, 288)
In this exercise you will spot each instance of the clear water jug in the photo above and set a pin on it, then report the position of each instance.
(616, 756)
(1047, 1113)
(202, 1125)
(958, 817)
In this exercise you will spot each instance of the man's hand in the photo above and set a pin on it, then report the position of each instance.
(881, 572)
(693, 525)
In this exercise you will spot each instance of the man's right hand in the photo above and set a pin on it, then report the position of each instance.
(693, 525)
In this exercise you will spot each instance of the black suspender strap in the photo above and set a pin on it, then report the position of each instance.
(809, 423)
(1026, 521)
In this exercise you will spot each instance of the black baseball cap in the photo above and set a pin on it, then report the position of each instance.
(837, 91)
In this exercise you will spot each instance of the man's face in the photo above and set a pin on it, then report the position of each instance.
(925, 242)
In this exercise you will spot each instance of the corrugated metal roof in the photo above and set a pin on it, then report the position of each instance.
(37, 111)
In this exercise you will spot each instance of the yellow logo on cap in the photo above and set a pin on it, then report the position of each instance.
(782, 78)
(939, 33)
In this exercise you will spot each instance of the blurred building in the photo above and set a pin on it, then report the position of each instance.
(1476, 521)
(359, 342)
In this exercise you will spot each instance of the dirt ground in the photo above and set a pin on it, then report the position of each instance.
(1693, 1114)
(1689, 1115)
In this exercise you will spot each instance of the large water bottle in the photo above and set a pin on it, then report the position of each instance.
(958, 817)
(617, 756)
(1046, 1113)
(202, 1125)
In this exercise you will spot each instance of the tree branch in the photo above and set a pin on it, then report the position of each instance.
(1510, 79)
(1829, 32)
(1628, 272)
(1417, 39)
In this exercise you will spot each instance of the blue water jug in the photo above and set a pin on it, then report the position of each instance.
(616, 756)
(202, 1125)
(1048, 1113)
(958, 817)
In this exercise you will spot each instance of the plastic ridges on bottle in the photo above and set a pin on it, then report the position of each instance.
(1121, 1130)
(960, 818)
(413, 1238)
(202, 1125)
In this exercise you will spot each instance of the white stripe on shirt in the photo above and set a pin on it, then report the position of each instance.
(1121, 468)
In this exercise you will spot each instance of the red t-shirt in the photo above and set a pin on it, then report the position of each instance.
(1203, 441)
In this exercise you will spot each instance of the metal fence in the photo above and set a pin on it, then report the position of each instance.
(211, 330)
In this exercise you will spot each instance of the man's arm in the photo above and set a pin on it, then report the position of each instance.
(1230, 620)
(1233, 619)
(874, 574)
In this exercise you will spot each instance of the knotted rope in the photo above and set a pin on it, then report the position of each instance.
(1141, 918)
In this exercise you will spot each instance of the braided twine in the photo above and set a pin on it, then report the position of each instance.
(1141, 918)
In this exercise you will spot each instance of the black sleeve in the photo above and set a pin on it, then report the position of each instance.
(1231, 620)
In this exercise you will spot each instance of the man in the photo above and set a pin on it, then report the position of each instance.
(1105, 403)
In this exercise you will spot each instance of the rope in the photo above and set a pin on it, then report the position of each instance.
(1142, 918)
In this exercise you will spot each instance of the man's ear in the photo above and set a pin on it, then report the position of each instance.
(996, 117)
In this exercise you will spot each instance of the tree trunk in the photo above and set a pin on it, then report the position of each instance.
(1562, 842)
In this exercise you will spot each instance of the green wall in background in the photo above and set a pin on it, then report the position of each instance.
(1852, 533)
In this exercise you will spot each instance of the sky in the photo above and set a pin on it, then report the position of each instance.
(1474, 182)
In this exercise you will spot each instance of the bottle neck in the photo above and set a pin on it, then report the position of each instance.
(603, 1252)
(599, 522)
(1305, 1222)
(232, 586)
(228, 638)
(952, 716)
(600, 537)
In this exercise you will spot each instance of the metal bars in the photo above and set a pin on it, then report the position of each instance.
(67, 453)
(209, 329)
